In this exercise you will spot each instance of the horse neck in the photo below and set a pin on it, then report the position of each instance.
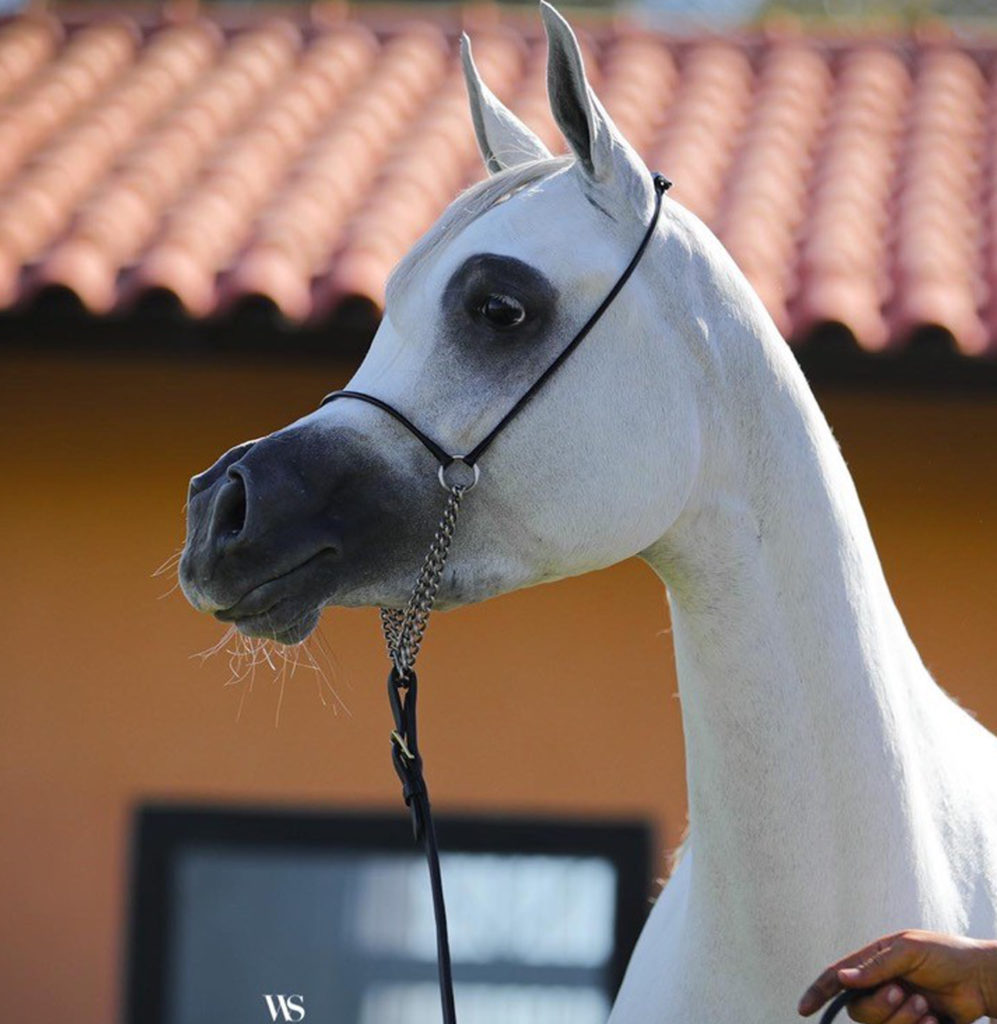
(805, 705)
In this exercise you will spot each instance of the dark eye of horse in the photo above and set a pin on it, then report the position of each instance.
(502, 311)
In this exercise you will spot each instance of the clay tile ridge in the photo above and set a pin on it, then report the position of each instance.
(290, 156)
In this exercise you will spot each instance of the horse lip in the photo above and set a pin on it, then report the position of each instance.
(286, 626)
(237, 613)
(261, 599)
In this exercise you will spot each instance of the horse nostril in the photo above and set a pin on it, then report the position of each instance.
(197, 485)
(230, 508)
(204, 481)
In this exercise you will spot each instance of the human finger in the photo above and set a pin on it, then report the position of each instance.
(878, 1007)
(910, 1011)
(826, 986)
(888, 959)
(829, 983)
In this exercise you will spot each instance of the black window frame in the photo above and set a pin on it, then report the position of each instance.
(162, 830)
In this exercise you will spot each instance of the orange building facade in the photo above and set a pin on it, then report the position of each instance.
(558, 701)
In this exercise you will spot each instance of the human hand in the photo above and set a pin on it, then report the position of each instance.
(918, 977)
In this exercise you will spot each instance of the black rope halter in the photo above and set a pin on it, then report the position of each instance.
(445, 458)
(403, 629)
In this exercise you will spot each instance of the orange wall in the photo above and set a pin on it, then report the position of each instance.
(102, 703)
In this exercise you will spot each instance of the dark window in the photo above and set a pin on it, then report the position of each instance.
(232, 906)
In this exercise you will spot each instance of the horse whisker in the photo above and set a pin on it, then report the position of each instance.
(246, 654)
(172, 590)
(170, 564)
(214, 649)
(322, 677)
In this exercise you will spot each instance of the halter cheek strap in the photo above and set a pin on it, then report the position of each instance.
(447, 459)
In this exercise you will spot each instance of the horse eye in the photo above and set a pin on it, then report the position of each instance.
(502, 311)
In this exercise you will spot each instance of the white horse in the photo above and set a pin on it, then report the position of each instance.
(835, 792)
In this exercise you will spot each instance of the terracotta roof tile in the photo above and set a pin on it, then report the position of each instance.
(939, 239)
(222, 164)
(703, 124)
(24, 47)
(844, 256)
(766, 195)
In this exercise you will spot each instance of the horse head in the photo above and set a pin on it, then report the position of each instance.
(338, 507)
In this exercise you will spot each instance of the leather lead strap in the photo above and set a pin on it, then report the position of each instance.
(402, 693)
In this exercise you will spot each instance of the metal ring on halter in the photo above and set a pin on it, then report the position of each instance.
(447, 480)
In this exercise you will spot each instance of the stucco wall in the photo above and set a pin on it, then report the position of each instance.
(522, 697)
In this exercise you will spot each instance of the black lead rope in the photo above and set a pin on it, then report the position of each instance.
(839, 1002)
(402, 693)
(401, 628)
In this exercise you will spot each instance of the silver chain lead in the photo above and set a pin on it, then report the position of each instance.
(405, 628)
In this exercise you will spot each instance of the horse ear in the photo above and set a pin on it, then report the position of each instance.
(503, 139)
(587, 128)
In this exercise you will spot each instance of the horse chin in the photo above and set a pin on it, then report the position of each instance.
(283, 626)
